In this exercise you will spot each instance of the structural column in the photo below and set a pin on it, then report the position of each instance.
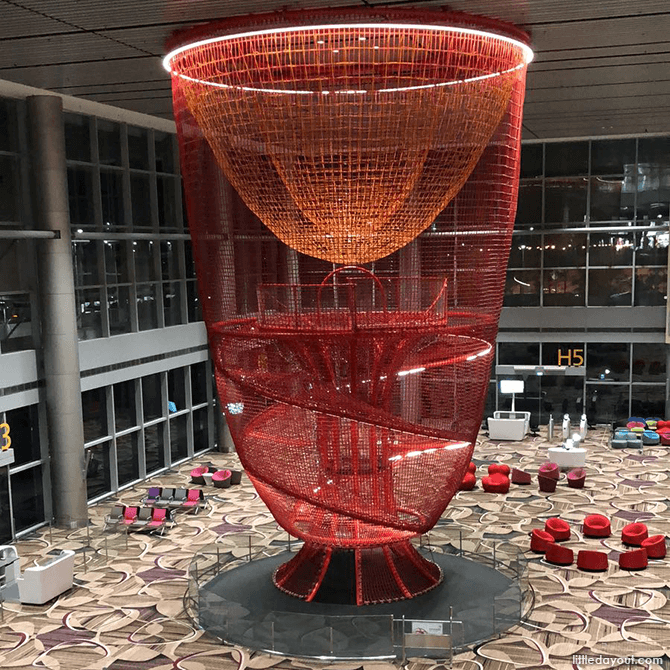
(57, 299)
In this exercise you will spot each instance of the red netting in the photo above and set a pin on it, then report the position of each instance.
(353, 395)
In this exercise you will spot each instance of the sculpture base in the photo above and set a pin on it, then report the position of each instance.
(361, 576)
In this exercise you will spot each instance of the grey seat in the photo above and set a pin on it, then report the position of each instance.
(115, 515)
(180, 496)
(166, 496)
(143, 516)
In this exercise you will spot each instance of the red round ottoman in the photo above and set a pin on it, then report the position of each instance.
(468, 483)
(472, 467)
(546, 484)
(633, 560)
(557, 528)
(634, 533)
(520, 477)
(549, 469)
(540, 540)
(596, 525)
(576, 478)
(654, 546)
(499, 469)
(495, 484)
(559, 555)
(592, 560)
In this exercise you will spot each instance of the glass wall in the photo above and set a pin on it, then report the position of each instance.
(123, 182)
(22, 484)
(618, 193)
(137, 427)
(622, 379)
(17, 297)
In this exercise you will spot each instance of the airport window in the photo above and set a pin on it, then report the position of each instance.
(27, 498)
(127, 457)
(109, 143)
(98, 471)
(609, 185)
(529, 206)
(610, 287)
(125, 405)
(8, 125)
(127, 437)
(651, 286)
(111, 190)
(123, 179)
(140, 195)
(6, 531)
(611, 248)
(566, 159)
(25, 485)
(608, 362)
(565, 200)
(178, 437)
(152, 397)
(94, 411)
(9, 189)
(564, 287)
(16, 309)
(518, 353)
(164, 148)
(24, 427)
(609, 157)
(648, 363)
(154, 453)
(138, 148)
(523, 288)
(647, 400)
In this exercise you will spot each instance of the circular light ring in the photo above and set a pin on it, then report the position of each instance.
(520, 60)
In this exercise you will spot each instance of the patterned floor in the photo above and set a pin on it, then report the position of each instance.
(126, 612)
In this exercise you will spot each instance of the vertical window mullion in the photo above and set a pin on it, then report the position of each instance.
(113, 460)
(139, 409)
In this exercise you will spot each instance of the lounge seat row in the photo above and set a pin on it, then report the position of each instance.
(184, 499)
(139, 518)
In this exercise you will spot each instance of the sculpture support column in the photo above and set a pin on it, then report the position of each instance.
(60, 353)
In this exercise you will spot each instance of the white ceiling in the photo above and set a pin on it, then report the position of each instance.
(602, 67)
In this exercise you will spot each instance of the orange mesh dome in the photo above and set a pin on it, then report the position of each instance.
(348, 140)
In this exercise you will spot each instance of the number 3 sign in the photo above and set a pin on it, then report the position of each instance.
(5, 440)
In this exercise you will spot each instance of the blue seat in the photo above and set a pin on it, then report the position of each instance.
(650, 437)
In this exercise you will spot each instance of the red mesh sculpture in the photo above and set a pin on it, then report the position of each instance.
(385, 144)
